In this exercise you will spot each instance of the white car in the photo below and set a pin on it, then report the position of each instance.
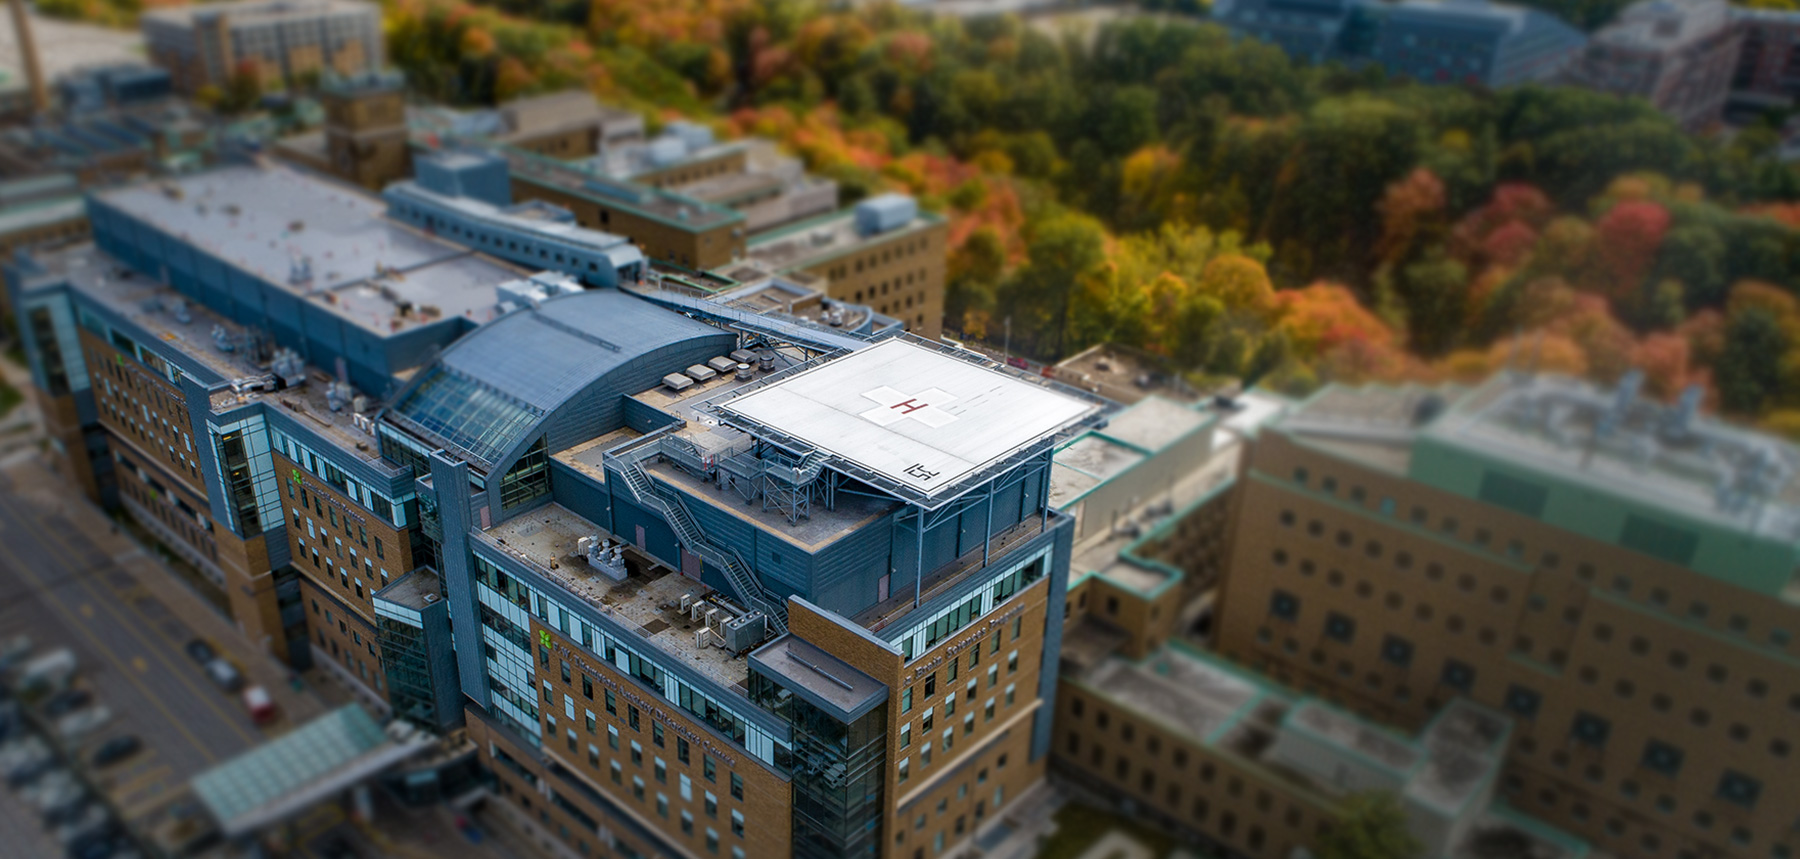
(82, 722)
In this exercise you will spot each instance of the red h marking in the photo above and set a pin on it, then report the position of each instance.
(909, 405)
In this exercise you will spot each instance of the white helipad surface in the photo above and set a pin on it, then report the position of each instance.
(912, 414)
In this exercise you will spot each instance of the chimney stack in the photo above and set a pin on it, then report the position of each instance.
(28, 56)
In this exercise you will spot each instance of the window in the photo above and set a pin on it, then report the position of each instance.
(1523, 701)
(1397, 650)
(1739, 789)
(707, 768)
(737, 786)
(737, 823)
(1662, 758)
(656, 734)
(1340, 628)
(1591, 729)
(1458, 675)
(612, 703)
(1284, 606)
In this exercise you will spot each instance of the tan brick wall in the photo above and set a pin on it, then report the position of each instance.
(143, 410)
(1172, 776)
(766, 804)
(977, 743)
(343, 636)
(902, 277)
(337, 544)
(566, 143)
(1659, 652)
(725, 163)
(693, 249)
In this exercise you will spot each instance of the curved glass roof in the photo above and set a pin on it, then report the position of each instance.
(467, 415)
(493, 388)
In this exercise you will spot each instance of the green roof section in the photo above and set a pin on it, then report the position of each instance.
(1661, 480)
(1605, 463)
(288, 774)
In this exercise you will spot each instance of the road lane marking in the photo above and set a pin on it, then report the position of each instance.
(205, 695)
(100, 647)
(137, 781)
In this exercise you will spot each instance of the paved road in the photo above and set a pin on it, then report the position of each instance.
(66, 587)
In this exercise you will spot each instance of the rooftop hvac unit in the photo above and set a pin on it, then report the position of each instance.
(687, 601)
(743, 356)
(743, 372)
(700, 373)
(677, 382)
(885, 212)
(743, 633)
(722, 364)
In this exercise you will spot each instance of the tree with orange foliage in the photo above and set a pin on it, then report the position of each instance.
(1405, 207)
(1629, 235)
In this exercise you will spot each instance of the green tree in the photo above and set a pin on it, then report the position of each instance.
(1749, 367)
(1065, 247)
(1434, 291)
(1371, 826)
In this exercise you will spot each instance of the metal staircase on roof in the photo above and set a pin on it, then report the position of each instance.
(693, 538)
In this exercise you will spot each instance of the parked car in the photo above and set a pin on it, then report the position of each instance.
(64, 805)
(116, 749)
(54, 781)
(201, 652)
(12, 722)
(66, 702)
(259, 704)
(47, 672)
(93, 826)
(23, 762)
(82, 722)
(225, 674)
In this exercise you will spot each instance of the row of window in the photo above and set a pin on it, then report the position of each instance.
(1484, 538)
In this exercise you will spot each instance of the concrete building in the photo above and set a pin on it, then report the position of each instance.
(1430, 41)
(668, 227)
(1250, 768)
(1612, 574)
(39, 210)
(467, 196)
(884, 252)
(1768, 67)
(365, 137)
(566, 125)
(112, 86)
(723, 580)
(1680, 55)
(751, 176)
(167, 357)
(278, 41)
(109, 146)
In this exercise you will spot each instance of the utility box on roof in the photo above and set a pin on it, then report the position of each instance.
(885, 212)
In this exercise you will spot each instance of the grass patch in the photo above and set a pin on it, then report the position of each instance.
(1078, 826)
